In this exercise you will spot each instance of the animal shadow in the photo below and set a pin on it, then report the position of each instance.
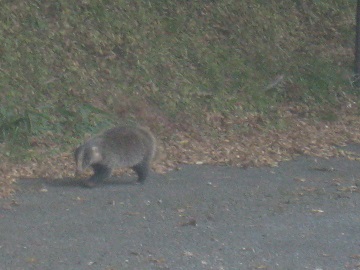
(41, 183)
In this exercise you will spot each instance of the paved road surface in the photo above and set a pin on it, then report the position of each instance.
(304, 214)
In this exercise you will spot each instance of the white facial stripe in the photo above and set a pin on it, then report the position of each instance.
(95, 155)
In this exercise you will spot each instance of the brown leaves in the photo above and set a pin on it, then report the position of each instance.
(263, 146)
(232, 140)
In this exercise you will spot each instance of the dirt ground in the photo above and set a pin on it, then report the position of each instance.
(303, 214)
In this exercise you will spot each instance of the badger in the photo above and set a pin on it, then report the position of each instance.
(123, 146)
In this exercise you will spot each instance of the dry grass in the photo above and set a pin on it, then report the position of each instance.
(203, 76)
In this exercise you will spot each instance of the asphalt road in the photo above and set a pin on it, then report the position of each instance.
(303, 214)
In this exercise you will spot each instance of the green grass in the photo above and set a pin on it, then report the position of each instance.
(69, 68)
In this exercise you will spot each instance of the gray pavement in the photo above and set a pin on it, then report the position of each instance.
(303, 214)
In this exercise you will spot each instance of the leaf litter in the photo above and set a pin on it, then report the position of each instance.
(258, 146)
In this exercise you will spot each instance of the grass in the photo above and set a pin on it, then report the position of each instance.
(70, 69)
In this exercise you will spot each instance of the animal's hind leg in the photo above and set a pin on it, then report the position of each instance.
(142, 170)
(101, 173)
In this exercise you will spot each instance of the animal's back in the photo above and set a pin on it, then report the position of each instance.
(127, 146)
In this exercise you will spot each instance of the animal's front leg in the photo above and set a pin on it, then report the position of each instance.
(101, 173)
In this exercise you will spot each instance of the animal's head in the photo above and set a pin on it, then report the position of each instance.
(85, 156)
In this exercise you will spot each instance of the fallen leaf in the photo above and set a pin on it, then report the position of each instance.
(190, 222)
(31, 260)
(132, 213)
(161, 260)
(323, 169)
(317, 211)
(348, 189)
(261, 267)
(309, 189)
(188, 254)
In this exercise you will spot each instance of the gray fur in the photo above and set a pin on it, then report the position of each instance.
(123, 146)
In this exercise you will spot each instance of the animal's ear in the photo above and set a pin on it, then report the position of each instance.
(95, 155)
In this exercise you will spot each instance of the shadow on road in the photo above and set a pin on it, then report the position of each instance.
(30, 183)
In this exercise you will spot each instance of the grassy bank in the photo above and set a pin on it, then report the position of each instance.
(73, 68)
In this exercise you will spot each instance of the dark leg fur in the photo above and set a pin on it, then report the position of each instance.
(142, 170)
(101, 173)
